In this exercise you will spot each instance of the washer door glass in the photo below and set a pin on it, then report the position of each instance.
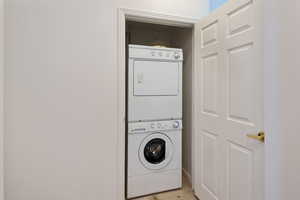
(155, 151)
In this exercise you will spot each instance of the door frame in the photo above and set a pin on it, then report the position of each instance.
(2, 71)
(150, 17)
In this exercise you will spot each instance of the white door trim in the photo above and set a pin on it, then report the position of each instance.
(141, 16)
(2, 44)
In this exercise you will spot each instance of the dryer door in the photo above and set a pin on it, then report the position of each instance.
(156, 78)
(156, 151)
(154, 90)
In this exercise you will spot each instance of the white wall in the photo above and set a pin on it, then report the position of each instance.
(184, 40)
(61, 88)
(271, 105)
(1, 95)
(282, 97)
(289, 98)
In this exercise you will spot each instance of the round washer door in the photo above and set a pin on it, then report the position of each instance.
(156, 151)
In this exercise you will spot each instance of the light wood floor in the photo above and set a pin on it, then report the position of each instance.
(185, 193)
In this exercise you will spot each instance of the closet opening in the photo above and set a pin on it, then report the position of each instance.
(160, 142)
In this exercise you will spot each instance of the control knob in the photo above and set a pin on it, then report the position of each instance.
(176, 124)
(176, 55)
(159, 125)
(152, 125)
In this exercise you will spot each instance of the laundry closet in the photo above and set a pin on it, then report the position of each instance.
(159, 113)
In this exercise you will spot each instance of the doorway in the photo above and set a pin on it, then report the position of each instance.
(168, 31)
(156, 82)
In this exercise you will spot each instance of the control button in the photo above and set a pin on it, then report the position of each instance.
(152, 53)
(159, 125)
(176, 55)
(152, 125)
(176, 124)
(160, 54)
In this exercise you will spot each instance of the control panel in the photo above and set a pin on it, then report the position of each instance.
(141, 127)
(159, 53)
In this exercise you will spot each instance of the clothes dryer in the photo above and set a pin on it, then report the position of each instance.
(154, 83)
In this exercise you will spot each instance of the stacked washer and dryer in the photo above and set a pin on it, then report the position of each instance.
(154, 120)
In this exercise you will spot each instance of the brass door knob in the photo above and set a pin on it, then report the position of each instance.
(260, 136)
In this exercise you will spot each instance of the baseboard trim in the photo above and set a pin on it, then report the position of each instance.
(187, 176)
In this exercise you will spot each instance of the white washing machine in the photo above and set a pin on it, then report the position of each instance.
(154, 83)
(154, 157)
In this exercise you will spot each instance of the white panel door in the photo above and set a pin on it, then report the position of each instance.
(229, 92)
